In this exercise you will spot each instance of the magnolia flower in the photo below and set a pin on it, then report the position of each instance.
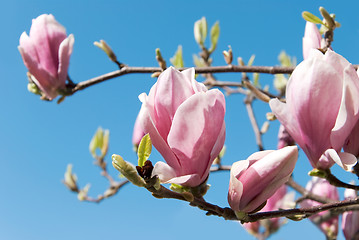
(322, 187)
(350, 223)
(256, 179)
(321, 108)
(46, 53)
(312, 39)
(186, 125)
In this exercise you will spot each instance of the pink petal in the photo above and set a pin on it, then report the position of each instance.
(235, 192)
(65, 51)
(163, 171)
(312, 39)
(280, 110)
(310, 79)
(195, 129)
(41, 78)
(48, 35)
(173, 88)
(349, 108)
(157, 141)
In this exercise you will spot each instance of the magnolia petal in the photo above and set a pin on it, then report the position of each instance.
(282, 113)
(349, 108)
(65, 51)
(195, 129)
(163, 171)
(311, 39)
(27, 45)
(48, 35)
(157, 141)
(173, 88)
(41, 77)
(343, 159)
(196, 86)
(235, 192)
(348, 161)
(190, 180)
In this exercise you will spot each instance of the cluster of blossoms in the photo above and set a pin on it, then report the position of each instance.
(185, 122)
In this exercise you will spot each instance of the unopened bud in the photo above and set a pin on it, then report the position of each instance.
(100, 141)
(317, 173)
(160, 59)
(70, 180)
(200, 31)
(177, 59)
(328, 19)
(127, 170)
(228, 55)
(82, 195)
(107, 49)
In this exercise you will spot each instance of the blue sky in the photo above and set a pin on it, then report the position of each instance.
(39, 139)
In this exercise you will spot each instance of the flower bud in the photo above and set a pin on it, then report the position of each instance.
(200, 31)
(107, 49)
(70, 179)
(82, 195)
(256, 179)
(127, 170)
(100, 141)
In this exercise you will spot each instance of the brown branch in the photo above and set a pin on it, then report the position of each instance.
(338, 183)
(200, 70)
(229, 214)
(253, 121)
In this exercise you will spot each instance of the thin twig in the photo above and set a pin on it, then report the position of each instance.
(306, 194)
(252, 118)
(333, 180)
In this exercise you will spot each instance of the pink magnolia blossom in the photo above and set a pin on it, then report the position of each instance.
(46, 53)
(321, 108)
(322, 187)
(256, 179)
(312, 39)
(186, 125)
(350, 222)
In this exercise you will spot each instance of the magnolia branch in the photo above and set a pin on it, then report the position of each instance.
(229, 214)
(200, 70)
